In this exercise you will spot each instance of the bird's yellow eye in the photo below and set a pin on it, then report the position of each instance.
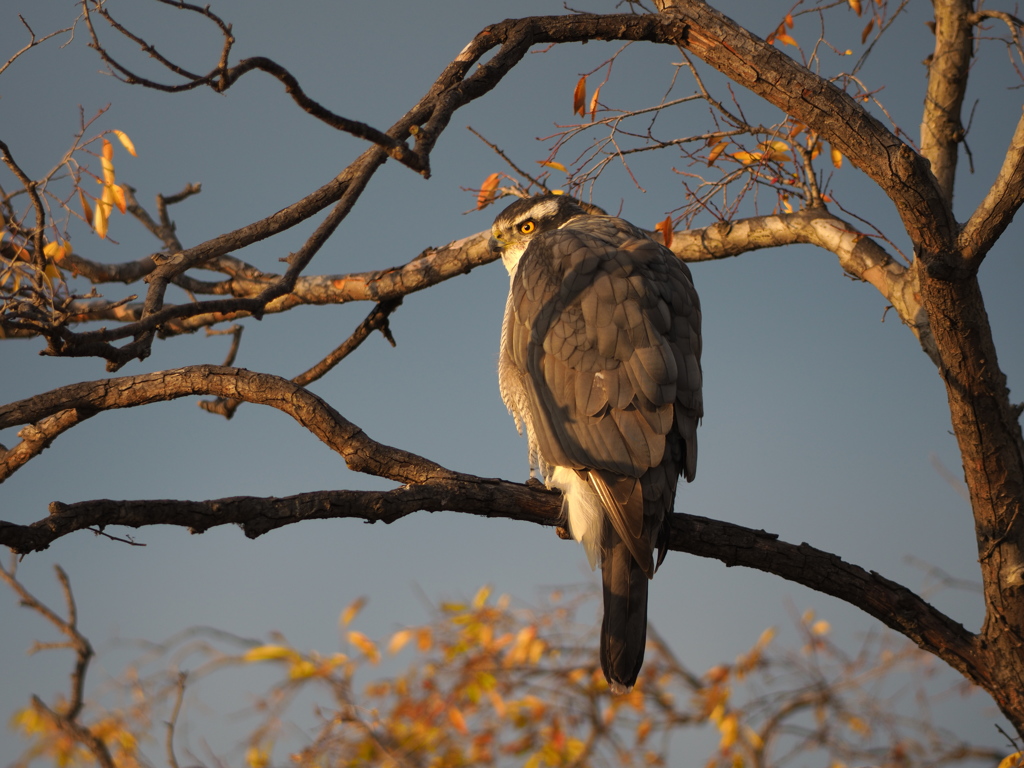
(527, 227)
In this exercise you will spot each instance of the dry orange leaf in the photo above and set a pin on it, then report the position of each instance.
(866, 32)
(457, 720)
(117, 191)
(643, 729)
(579, 97)
(593, 103)
(487, 189)
(837, 157)
(789, 20)
(424, 639)
(553, 164)
(787, 40)
(364, 644)
(855, 4)
(665, 227)
(86, 208)
(716, 151)
(108, 150)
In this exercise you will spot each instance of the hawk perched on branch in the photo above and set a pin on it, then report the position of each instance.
(600, 360)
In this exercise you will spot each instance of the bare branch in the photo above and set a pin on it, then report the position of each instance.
(893, 165)
(36, 438)
(991, 218)
(859, 255)
(32, 42)
(891, 603)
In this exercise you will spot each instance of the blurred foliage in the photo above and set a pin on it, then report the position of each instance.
(486, 683)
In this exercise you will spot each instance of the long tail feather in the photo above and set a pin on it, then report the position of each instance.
(624, 628)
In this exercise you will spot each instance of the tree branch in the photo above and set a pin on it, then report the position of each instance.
(361, 453)
(899, 171)
(1004, 199)
(892, 604)
(941, 129)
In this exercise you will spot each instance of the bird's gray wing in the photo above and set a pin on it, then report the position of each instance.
(606, 328)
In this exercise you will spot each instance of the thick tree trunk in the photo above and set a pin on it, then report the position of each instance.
(989, 435)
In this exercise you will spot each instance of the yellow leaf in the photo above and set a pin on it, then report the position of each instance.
(553, 164)
(837, 157)
(52, 273)
(766, 637)
(579, 97)
(593, 103)
(821, 627)
(480, 599)
(753, 738)
(398, 640)
(108, 150)
(255, 757)
(352, 611)
(717, 715)
(855, 4)
(54, 251)
(716, 151)
(730, 730)
(784, 38)
(786, 204)
(268, 653)
(747, 157)
(1012, 761)
(487, 189)
(301, 668)
(125, 142)
(536, 650)
(108, 170)
(29, 720)
(100, 219)
(366, 645)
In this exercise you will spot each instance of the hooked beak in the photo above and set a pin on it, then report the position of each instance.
(496, 245)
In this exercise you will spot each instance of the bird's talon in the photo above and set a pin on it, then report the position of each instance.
(563, 533)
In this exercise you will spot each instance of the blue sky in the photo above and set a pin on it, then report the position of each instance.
(823, 423)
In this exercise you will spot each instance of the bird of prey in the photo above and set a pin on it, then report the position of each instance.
(600, 361)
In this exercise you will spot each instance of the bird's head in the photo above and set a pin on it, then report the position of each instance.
(524, 220)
